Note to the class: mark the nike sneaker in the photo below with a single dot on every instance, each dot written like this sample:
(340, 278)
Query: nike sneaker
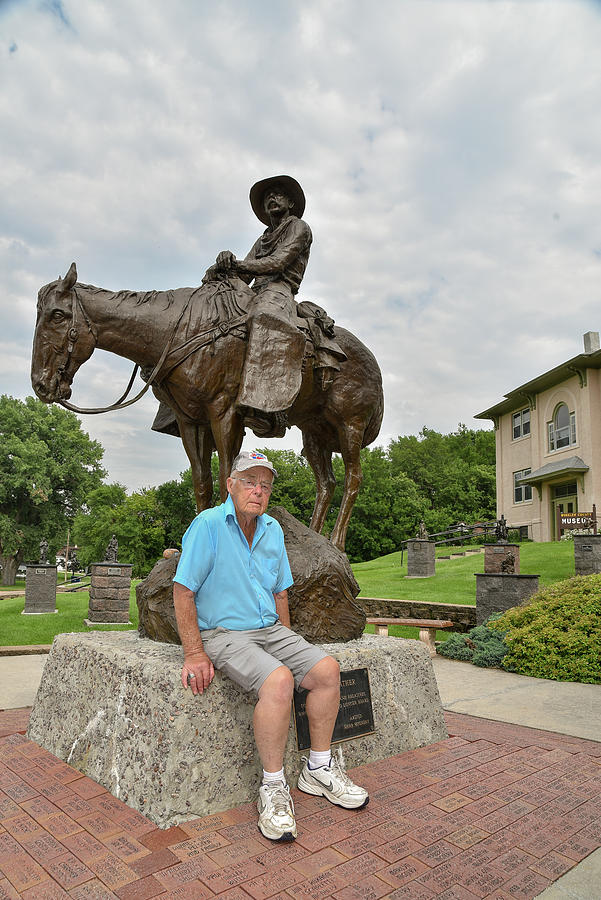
(333, 783)
(276, 812)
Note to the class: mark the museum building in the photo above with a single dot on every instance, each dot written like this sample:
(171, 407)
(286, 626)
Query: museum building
(548, 444)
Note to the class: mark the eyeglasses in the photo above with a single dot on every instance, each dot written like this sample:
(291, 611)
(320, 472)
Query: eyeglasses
(250, 485)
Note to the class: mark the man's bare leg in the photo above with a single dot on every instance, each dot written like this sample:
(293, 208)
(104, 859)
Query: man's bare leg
(322, 775)
(271, 723)
(322, 682)
(271, 719)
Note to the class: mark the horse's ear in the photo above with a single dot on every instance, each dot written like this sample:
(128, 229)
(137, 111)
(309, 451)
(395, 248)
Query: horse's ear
(70, 277)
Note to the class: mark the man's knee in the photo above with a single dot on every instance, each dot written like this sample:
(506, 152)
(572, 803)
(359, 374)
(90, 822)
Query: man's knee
(278, 687)
(324, 674)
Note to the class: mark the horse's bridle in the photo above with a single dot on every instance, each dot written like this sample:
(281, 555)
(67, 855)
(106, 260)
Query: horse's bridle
(73, 333)
(121, 403)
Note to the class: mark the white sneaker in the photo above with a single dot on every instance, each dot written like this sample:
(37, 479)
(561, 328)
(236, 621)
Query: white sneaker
(276, 812)
(332, 782)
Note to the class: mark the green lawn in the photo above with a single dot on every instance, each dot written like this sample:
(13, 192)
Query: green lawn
(41, 629)
(454, 581)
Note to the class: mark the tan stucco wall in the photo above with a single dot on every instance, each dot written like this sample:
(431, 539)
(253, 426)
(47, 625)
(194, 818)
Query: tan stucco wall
(532, 452)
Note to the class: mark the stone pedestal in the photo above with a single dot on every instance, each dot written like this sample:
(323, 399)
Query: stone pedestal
(500, 592)
(421, 559)
(495, 555)
(40, 589)
(112, 705)
(587, 554)
(109, 593)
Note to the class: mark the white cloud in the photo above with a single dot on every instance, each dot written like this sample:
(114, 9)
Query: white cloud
(450, 153)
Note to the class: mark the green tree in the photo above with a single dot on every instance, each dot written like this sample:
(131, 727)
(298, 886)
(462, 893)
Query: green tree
(454, 473)
(177, 505)
(136, 520)
(385, 510)
(48, 466)
(97, 522)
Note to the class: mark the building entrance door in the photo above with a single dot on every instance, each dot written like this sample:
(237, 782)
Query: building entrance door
(564, 499)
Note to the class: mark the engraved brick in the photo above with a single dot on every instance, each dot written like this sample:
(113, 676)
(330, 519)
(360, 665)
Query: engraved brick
(403, 871)
(67, 870)
(318, 862)
(112, 871)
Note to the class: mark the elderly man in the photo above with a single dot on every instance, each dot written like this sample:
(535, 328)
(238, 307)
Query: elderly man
(231, 604)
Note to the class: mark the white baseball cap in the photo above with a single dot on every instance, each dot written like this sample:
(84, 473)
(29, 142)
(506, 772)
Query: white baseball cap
(247, 459)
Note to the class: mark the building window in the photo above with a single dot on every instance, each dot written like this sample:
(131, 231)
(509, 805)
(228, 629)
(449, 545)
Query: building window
(521, 492)
(562, 428)
(520, 422)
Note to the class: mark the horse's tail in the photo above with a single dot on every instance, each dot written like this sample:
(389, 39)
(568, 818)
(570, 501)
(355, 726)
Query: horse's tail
(375, 422)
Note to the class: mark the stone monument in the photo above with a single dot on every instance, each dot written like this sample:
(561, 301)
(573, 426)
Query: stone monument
(110, 584)
(421, 555)
(501, 587)
(40, 585)
(587, 554)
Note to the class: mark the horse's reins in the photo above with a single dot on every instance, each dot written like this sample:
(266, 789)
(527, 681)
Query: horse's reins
(122, 403)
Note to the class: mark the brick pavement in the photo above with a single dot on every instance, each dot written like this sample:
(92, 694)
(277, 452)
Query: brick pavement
(495, 811)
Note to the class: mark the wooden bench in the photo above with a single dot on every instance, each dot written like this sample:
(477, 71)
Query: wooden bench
(427, 628)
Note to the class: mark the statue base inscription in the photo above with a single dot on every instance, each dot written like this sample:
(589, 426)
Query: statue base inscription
(111, 704)
(40, 589)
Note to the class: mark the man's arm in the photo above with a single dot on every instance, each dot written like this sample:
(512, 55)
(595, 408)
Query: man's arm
(281, 607)
(196, 661)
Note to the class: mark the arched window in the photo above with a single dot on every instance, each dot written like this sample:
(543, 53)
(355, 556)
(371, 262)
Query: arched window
(562, 428)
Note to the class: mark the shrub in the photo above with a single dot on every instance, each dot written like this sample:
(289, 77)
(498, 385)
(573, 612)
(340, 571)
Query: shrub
(481, 646)
(556, 634)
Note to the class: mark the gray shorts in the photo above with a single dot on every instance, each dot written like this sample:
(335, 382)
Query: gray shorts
(248, 657)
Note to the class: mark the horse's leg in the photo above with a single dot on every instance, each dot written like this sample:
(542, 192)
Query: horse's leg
(198, 444)
(319, 458)
(351, 438)
(228, 433)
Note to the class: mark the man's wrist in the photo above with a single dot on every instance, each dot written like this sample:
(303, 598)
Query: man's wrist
(192, 654)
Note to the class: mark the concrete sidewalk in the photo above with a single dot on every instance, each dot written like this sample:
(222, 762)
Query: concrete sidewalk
(562, 706)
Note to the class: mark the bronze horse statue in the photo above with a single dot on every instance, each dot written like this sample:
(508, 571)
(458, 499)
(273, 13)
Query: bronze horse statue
(195, 349)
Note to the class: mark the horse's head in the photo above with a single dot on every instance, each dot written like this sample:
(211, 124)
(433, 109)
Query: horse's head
(64, 338)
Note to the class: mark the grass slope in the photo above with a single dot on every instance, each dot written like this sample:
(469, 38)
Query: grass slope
(454, 581)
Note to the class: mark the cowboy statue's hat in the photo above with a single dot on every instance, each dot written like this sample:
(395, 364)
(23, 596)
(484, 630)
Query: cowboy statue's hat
(285, 183)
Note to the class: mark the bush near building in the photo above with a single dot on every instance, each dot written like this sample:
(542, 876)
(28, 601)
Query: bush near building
(557, 633)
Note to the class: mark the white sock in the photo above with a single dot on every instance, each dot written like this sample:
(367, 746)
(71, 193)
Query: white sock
(318, 758)
(269, 777)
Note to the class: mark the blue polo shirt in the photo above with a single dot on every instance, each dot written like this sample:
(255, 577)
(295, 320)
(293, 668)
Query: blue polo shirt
(233, 583)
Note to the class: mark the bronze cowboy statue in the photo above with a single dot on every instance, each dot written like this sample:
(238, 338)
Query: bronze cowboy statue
(235, 351)
(278, 327)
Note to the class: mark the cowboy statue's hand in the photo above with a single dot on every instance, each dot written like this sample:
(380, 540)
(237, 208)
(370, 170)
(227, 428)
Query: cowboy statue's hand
(210, 275)
(226, 261)
(197, 672)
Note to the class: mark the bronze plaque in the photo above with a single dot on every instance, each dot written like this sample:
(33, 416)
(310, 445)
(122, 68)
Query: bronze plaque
(355, 716)
(114, 572)
(40, 571)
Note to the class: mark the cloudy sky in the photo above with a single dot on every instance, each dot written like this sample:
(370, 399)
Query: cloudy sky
(450, 152)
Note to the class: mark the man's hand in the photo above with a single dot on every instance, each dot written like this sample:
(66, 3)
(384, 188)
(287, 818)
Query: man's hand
(226, 261)
(197, 672)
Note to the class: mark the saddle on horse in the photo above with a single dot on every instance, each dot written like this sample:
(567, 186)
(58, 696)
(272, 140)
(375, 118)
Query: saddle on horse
(278, 351)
